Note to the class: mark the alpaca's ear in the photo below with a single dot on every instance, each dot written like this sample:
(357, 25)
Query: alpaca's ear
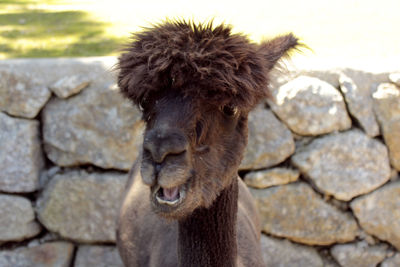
(277, 48)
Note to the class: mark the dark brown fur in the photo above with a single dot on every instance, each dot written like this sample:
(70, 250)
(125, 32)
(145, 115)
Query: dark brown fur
(196, 85)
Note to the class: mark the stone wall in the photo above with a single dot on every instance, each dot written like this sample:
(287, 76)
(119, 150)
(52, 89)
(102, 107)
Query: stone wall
(322, 163)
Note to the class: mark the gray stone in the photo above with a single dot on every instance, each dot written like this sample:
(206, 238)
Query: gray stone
(296, 212)
(52, 254)
(271, 177)
(359, 254)
(328, 75)
(365, 81)
(50, 70)
(392, 262)
(345, 165)
(22, 95)
(70, 85)
(360, 104)
(359, 97)
(99, 256)
(282, 253)
(17, 220)
(82, 206)
(387, 107)
(379, 213)
(280, 76)
(309, 106)
(21, 156)
(395, 78)
(270, 142)
(95, 127)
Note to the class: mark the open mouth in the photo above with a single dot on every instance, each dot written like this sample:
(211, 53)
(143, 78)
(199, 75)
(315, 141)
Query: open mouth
(170, 196)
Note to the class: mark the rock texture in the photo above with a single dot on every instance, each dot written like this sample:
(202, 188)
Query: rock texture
(20, 154)
(89, 133)
(359, 254)
(387, 108)
(82, 206)
(22, 95)
(360, 104)
(379, 213)
(395, 78)
(344, 165)
(392, 262)
(270, 142)
(309, 106)
(17, 220)
(99, 256)
(95, 127)
(296, 212)
(70, 85)
(282, 253)
(52, 254)
(271, 177)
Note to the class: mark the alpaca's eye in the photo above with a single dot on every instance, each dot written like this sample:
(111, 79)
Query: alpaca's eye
(229, 110)
(142, 104)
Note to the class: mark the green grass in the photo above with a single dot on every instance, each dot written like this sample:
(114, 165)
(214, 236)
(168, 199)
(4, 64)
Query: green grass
(27, 30)
(340, 30)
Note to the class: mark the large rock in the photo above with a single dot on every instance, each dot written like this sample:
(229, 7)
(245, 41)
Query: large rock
(52, 254)
(98, 256)
(360, 104)
(21, 156)
(296, 212)
(270, 142)
(387, 108)
(344, 165)
(95, 127)
(82, 206)
(357, 87)
(392, 262)
(283, 253)
(271, 177)
(22, 95)
(309, 106)
(359, 254)
(378, 213)
(17, 220)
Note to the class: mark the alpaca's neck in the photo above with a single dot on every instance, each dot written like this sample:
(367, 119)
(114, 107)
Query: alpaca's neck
(208, 236)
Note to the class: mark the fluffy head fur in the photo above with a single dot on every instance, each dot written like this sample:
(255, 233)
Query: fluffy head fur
(196, 85)
(226, 68)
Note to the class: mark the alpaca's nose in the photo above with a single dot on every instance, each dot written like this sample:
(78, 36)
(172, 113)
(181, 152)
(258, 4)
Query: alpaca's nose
(160, 144)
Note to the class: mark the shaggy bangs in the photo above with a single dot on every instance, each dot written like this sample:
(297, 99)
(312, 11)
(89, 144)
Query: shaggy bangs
(199, 60)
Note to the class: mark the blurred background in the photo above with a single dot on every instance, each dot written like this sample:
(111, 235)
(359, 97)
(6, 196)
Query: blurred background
(322, 161)
(353, 32)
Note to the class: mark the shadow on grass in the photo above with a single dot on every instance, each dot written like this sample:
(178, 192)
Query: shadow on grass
(16, 2)
(46, 33)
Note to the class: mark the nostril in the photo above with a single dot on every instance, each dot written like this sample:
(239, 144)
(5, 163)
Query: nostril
(157, 147)
(146, 153)
(199, 129)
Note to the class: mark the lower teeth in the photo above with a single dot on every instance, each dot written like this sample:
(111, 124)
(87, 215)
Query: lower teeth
(168, 202)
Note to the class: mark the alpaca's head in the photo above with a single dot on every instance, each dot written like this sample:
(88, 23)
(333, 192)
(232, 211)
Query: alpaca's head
(195, 85)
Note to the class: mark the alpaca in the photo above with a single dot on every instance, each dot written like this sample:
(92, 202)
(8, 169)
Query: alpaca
(185, 204)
